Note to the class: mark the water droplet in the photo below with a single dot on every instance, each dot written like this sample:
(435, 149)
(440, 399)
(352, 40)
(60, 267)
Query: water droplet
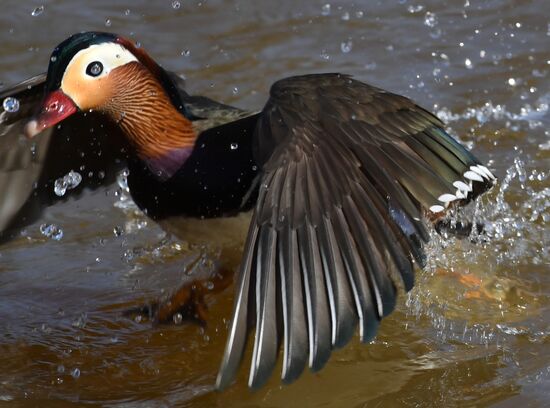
(430, 19)
(176, 5)
(512, 82)
(325, 55)
(235, 91)
(346, 46)
(118, 231)
(11, 104)
(468, 63)
(177, 318)
(53, 58)
(359, 14)
(325, 10)
(436, 33)
(37, 11)
(122, 180)
(415, 8)
(127, 12)
(186, 53)
(75, 373)
(108, 23)
(345, 16)
(51, 231)
(69, 181)
(234, 146)
(371, 66)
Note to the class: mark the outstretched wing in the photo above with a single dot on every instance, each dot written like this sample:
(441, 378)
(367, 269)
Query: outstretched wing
(349, 170)
(29, 168)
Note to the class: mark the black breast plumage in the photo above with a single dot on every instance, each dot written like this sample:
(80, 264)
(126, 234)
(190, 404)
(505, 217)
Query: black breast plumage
(218, 179)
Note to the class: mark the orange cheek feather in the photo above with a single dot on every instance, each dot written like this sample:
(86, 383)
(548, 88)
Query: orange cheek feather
(90, 93)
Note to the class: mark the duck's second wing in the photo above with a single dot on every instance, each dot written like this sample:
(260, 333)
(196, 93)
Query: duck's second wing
(349, 170)
(21, 160)
(29, 168)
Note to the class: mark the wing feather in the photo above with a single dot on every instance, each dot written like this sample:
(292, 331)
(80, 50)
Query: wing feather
(264, 356)
(294, 320)
(348, 172)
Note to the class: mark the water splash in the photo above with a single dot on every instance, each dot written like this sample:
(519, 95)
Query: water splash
(135, 219)
(490, 111)
(471, 289)
(430, 19)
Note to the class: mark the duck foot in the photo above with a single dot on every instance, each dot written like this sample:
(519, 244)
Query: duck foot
(186, 304)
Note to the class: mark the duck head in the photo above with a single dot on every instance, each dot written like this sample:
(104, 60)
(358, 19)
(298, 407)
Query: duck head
(103, 72)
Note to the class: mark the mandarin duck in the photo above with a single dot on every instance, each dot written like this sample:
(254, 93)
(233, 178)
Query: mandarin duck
(329, 189)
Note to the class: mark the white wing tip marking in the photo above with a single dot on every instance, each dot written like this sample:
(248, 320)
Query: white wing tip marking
(446, 198)
(487, 172)
(462, 186)
(437, 208)
(478, 173)
(461, 194)
(472, 175)
(483, 171)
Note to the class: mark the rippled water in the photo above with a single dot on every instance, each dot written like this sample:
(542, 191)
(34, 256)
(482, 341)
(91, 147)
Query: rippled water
(475, 331)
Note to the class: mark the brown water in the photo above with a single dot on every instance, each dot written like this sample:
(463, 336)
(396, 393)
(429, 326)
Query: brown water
(475, 331)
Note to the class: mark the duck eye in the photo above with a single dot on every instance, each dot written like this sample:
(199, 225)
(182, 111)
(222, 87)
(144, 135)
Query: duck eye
(94, 68)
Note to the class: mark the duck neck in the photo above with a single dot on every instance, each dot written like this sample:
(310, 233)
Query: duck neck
(160, 134)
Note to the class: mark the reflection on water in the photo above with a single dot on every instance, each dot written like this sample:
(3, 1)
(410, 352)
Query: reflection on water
(474, 331)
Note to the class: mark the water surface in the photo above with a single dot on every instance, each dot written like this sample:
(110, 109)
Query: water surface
(475, 331)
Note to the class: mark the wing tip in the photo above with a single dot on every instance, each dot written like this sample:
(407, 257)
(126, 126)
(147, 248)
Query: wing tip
(226, 375)
(293, 369)
(477, 180)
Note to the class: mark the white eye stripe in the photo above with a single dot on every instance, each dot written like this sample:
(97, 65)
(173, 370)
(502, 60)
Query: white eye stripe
(110, 55)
